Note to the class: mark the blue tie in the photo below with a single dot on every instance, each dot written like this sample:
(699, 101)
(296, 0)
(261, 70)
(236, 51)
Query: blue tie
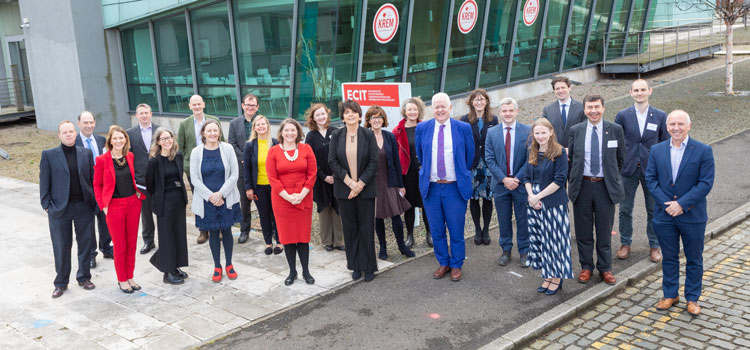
(564, 115)
(93, 149)
(594, 152)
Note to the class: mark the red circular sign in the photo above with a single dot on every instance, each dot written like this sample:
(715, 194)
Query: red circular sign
(467, 16)
(530, 12)
(385, 23)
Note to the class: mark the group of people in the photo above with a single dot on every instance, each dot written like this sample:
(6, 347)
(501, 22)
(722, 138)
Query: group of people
(360, 174)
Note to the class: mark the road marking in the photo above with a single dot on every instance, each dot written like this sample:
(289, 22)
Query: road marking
(517, 274)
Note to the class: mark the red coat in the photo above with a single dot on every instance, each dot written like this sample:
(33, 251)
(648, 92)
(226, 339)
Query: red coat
(403, 145)
(104, 178)
(293, 222)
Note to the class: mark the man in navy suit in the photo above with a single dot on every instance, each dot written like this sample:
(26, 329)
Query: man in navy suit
(141, 137)
(644, 126)
(565, 112)
(445, 148)
(506, 154)
(95, 143)
(680, 175)
(66, 190)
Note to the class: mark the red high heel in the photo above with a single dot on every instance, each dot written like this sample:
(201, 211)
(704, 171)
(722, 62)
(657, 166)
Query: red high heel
(217, 275)
(231, 273)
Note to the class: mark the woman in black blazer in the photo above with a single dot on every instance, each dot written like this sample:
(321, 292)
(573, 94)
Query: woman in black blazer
(390, 184)
(257, 187)
(481, 120)
(353, 157)
(165, 184)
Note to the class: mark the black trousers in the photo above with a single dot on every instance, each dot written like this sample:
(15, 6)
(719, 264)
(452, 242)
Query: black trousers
(265, 212)
(81, 215)
(105, 241)
(247, 215)
(593, 209)
(358, 221)
(147, 219)
(172, 231)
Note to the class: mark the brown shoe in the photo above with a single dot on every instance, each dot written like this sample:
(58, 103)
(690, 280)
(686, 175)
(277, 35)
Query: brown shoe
(608, 277)
(584, 276)
(440, 272)
(693, 308)
(456, 274)
(624, 252)
(666, 303)
(655, 255)
(203, 237)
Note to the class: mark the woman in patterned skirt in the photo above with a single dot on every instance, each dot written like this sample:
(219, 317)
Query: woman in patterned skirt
(549, 226)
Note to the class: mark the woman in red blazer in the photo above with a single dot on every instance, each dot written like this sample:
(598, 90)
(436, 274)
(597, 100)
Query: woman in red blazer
(120, 199)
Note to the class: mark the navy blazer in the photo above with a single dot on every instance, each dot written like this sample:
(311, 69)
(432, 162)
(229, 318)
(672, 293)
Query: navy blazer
(100, 144)
(695, 178)
(496, 157)
(479, 137)
(54, 179)
(546, 172)
(250, 162)
(637, 146)
(463, 154)
(574, 113)
(140, 152)
(393, 162)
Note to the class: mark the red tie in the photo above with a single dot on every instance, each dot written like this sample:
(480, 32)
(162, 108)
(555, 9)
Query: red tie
(507, 151)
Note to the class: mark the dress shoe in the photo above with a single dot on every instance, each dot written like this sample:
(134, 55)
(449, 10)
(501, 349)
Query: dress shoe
(523, 261)
(655, 255)
(504, 258)
(217, 274)
(486, 241)
(478, 236)
(486, 235)
(181, 273)
(86, 284)
(58, 292)
(584, 276)
(608, 277)
(404, 249)
(409, 239)
(341, 248)
(666, 303)
(147, 247)
(173, 278)
(329, 248)
(456, 274)
(550, 291)
(134, 285)
(107, 255)
(290, 279)
(428, 239)
(477, 242)
(92, 264)
(693, 308)
(441, 272)
(356, 275)
(231, 273)
(369, 276)
(243, 237)
(202, 237)
(383, 253)
(542, 288)
(128, 290)
(308, 278)
(268, 251)
(277, 250)
(624, 252)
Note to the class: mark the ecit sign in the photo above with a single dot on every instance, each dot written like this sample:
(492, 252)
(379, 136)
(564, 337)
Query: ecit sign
(385, 23)
(467, 16)
(385, 95)
(530, 12)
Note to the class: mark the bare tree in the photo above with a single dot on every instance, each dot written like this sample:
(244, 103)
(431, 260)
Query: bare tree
(729, 12)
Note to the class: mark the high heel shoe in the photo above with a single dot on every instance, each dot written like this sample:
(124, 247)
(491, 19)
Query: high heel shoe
(543, 289)
(126, 291)
(553, 292)
(231, 274)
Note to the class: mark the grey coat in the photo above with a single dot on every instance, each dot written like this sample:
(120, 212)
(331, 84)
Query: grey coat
(613, 158)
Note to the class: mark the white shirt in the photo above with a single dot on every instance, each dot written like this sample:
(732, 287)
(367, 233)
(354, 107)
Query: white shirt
(198, 125)
(587, 151)
(676, 155)
(450, 170)
(94, 147)
(147, 134)
(641, 119)
(567, 106)
(512, 142)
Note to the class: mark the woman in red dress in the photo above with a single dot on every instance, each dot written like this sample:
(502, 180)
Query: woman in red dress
(291, 170)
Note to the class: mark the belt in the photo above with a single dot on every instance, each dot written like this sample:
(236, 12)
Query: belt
(444, 182)
(593, 179)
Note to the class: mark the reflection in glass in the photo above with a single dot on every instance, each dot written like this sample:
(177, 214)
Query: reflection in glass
(527, 41)
(428, 32)
(220, 100)
(213, 59)
(274, 102)
(381, 61)
(577, 34)
(175, 99)
(554, 34)
(616, 38)
(497, 43)
(635, 27)
(173, 57)
(138, 94)
(139, 67)
(463, 52)
(598, 31)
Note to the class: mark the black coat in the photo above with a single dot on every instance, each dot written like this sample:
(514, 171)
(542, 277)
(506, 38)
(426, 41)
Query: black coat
(367, 162)
(250, 163)
(479, 137)
(54, 179)
(155, 182)
(140, 153)
(393, 162)
(322, 192)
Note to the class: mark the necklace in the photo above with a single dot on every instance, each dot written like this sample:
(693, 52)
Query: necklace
(120, 162)
(292, 157)
(351, 138)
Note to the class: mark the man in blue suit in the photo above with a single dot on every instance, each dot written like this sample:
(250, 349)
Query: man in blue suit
(66, 190)
(445, 148)
(680, 174)
(506, 153)
(644, 126)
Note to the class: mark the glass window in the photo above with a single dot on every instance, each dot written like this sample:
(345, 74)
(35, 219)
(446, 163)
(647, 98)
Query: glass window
(327, 39)
(616, 39)
(554, 35)
(428, 31)
(635, 30)
(598, 31)
(579, 24)
(214, 67)
(383, 61)
(463, 52)
(527, 41)
(139, 67)
(173, 57)
(497, 42)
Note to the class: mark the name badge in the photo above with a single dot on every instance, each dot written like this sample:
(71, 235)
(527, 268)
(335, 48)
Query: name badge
(651, 126)
(612, 144)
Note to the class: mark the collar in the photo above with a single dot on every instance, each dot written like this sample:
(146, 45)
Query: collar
(203, 118)
(447, 122)
(512, 126)
(566, 102)
(600, 125)
(84, 138)
(146, 128)
(639, 112)
(682, 145)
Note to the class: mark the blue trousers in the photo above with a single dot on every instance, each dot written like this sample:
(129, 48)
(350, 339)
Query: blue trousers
(445, 207)
(669, 235)
(505, 204)
(630, 185)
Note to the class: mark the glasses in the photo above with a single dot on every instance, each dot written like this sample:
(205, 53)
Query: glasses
(479, 99)
(166, 138)
(248, 105)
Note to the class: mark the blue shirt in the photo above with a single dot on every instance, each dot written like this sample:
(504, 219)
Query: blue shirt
(676, 154)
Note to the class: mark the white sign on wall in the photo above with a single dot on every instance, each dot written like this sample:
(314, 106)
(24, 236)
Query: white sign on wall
(530, 12)
(467, 16)
(385, 23)
(388, 96)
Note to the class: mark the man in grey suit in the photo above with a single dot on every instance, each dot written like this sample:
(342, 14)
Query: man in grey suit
(565, 112)
(66, 190)
(239, 132)
(597, 153)
(141, 137)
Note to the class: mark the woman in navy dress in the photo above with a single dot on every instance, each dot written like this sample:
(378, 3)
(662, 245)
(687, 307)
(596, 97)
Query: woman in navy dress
(549, 226)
